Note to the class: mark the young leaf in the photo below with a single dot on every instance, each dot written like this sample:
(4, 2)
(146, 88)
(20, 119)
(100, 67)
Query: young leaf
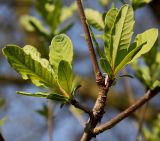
(61, 48)
(150, 37)
(58, 97)
(106, 67)
(67, 12)
(129, 56)
(122, 32)
(95, 19)
(30, 65)
(37, 94)
(109, 24)
(100, 53)
(139, 3)
(30, 22)
(65, 76)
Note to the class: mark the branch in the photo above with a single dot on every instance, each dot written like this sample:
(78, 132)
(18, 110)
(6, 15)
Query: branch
(89, 40)
(108, 125)
(98, 109)
(76, 104)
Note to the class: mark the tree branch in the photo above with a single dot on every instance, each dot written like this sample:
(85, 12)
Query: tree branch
(89, 40)
(98, 109)
(149, 94)
(76, 104)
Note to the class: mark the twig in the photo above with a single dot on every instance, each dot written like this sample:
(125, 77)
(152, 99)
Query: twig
(149, 94)
(76, 104)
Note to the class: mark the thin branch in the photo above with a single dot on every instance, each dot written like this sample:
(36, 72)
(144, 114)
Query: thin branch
(149, 94)
(76, 104)
(88, 39)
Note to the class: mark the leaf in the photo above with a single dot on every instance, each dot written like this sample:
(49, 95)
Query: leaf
(109, 25)
(94, 18)
(139, 3)
(96, 43)
(28, 62)
(37, 94)
(61, 48)
(31, 24)
(155, 85)
(150, 37)
(65, 76)
(127, 75)
(68, 12)
(122, 32)
(106, 67)
(128, 58)
(57, 97)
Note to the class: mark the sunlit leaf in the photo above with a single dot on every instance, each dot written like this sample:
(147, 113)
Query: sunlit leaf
(122, 32)
(37, 94)
(28, 21)
(61, 48)
(150, 37)
(65, 76)
(109, 25)
(68, 12)
(139, 3)
(28, 62)
(128, 58)
(94, 18)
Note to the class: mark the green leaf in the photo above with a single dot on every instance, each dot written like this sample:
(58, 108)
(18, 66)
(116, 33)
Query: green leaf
(28, 62)
(155, 85)
(128, 58)
(122, 32)
(57, 97)
(94, 18)
(150, 37)
(100, 53)
(37, 94)
(139, 3)
(30, 23)
(68, 12)
(61, 48)
(109, 25)
(106, 67)
(65, 76)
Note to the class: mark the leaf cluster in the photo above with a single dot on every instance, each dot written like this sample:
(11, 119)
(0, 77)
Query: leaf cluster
(55, 73)
(117, 29)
